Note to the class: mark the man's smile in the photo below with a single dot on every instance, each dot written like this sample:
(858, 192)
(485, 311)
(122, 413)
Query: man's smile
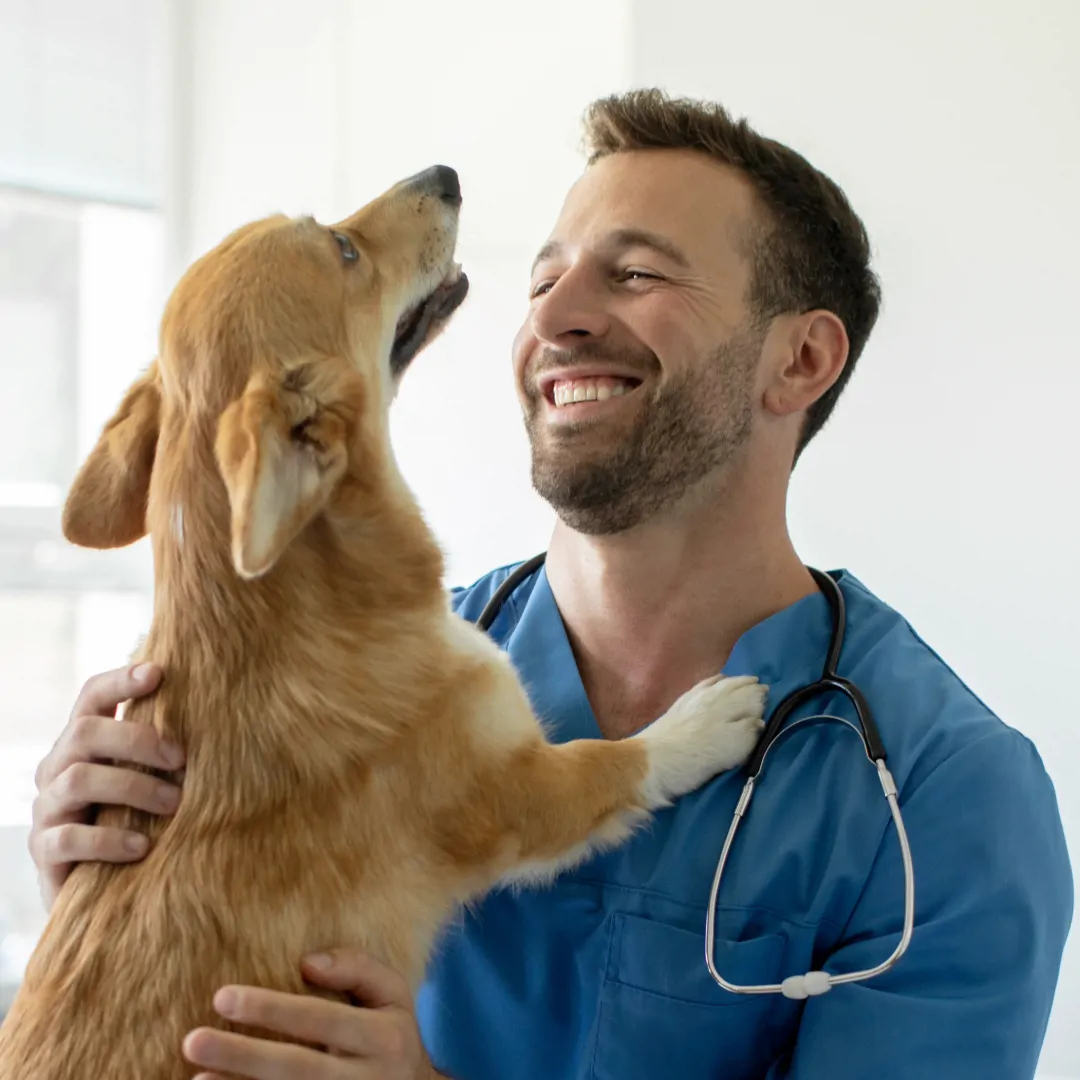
(583, 393)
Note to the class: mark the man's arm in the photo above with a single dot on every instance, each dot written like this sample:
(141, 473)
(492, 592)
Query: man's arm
(970, 998)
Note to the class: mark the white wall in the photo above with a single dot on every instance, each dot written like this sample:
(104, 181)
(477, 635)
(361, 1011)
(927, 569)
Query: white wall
(947, 481)
(944, 482)
(319, 105)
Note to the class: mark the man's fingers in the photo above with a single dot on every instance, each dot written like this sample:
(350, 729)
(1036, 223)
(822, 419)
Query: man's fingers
(102, 693)
(73, 843)
(85, 783)
(98, 699)
(359, 974)
(258, 1059)
(97, 738)
(326, 1023)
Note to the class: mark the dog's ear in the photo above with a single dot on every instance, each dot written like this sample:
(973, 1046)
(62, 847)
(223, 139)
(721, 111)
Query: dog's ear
(281, 453)
(106, 506)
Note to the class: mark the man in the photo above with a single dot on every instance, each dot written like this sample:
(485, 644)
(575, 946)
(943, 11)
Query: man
(702, 300)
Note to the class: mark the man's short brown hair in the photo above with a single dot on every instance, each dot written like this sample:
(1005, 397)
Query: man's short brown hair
(810, 250)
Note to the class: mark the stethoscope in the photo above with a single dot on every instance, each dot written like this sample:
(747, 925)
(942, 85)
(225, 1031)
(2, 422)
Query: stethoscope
(813, 983)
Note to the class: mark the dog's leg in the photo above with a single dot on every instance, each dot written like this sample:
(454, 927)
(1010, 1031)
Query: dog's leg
(557, 803)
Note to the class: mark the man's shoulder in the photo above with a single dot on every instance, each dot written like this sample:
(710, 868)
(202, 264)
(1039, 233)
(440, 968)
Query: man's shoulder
(965, 772)
(883, 642)
(924, 706)
(469, 601)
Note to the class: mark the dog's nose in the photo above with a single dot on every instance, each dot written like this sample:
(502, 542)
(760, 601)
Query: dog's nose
(440, 180)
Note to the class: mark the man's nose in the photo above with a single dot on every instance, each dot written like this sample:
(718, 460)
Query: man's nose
(573, 308)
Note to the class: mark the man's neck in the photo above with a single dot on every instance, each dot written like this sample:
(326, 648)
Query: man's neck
(652, 611)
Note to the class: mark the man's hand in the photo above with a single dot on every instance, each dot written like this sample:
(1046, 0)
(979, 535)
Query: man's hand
(72, 778)
(376, 1039)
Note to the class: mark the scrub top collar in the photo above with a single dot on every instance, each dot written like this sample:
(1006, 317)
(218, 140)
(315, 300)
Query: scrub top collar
(785, 649)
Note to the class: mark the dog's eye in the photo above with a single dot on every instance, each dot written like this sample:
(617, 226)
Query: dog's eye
(348, 251)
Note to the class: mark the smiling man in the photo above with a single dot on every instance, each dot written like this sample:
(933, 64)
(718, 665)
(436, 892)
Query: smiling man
(697, 310)
(574, 390)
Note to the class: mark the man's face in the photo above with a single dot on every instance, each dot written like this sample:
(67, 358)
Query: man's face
(636, 366)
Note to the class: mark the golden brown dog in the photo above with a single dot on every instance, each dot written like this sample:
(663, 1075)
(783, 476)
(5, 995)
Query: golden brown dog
(359, 760)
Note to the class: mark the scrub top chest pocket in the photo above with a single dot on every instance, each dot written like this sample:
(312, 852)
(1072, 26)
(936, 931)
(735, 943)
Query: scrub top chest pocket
(661, 1014)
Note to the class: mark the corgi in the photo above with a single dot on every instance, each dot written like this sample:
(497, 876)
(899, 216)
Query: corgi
(360, 761)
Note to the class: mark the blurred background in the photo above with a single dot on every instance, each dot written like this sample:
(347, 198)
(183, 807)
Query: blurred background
(135, 133)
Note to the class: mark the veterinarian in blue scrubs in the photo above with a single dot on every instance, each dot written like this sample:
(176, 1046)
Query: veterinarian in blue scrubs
(603, 974)
(670, 550)
(701, 302)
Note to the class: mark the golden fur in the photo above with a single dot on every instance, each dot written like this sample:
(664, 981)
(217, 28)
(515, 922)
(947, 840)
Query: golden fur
(359, 760)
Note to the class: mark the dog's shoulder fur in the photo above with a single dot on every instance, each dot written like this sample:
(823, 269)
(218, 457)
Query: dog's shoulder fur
(359, 760)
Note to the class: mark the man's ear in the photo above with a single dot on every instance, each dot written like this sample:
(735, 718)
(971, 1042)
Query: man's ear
(281, 454)
(106, 506)
(816, 354)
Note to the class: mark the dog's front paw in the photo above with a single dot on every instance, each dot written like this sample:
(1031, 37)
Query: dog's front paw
(714, 726)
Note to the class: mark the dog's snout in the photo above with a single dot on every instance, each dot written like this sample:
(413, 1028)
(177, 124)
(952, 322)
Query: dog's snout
(440, 180)
(446, 182)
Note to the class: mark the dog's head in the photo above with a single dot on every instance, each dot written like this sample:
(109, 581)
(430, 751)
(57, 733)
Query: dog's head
(285, 344)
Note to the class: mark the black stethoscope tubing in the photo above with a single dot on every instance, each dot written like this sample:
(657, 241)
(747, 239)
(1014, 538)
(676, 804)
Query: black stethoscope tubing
(829, 682)
(811, 983)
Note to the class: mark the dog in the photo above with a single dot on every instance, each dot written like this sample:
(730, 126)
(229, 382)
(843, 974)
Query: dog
(361, 762)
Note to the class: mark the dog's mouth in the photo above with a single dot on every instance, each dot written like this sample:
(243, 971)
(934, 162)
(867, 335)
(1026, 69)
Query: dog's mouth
(414, 328)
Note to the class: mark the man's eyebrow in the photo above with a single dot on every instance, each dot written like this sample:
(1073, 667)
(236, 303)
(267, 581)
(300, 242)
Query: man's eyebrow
(627, 238)
(550, 249)
(624, 238)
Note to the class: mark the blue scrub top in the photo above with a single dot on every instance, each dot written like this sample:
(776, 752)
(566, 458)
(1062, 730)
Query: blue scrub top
(602, 975)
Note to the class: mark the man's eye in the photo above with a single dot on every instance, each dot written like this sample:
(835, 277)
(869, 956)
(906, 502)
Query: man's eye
(348, 251)
(540, 288)
(638, 275)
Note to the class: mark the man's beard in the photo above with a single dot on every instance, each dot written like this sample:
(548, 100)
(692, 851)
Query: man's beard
(694, 425)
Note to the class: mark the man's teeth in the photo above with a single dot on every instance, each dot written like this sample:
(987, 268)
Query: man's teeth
(600, 389)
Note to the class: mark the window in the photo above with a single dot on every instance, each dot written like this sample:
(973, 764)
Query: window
(81, 280)
(74, 330)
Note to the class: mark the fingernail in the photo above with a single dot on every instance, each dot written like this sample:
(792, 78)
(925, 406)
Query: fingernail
(319, 961)
(135, 843)
(225, 1002)
(141, 673)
